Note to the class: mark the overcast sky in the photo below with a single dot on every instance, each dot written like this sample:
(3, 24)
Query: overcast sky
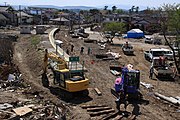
(95, 3)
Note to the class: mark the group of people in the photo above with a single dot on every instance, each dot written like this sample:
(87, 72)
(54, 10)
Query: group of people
(89, 51)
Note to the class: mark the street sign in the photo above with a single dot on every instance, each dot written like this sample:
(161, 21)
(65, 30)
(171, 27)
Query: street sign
(73, 59)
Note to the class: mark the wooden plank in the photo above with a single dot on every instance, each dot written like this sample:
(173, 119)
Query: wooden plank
(101, 112)
(92, 106)
(132, 117)
(22, 110)
(174, 101)
(110, 116)
(119, 117)
(98, 108)
(113, 92)
(98, 91)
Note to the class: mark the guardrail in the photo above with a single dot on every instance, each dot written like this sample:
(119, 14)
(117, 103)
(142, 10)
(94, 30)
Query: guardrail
(59, 50)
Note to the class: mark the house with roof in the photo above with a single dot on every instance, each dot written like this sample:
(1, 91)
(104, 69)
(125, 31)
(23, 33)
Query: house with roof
(10, 14)
(41, 13)
(60, 21)
(116, 18)
(24, 18)
(3, 20)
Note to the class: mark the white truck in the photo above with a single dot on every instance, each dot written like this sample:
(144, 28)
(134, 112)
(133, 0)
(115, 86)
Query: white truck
(176, 47)
(157, 52)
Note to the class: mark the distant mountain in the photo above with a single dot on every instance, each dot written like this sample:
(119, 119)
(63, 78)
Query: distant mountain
(58, 7)
(124, 7)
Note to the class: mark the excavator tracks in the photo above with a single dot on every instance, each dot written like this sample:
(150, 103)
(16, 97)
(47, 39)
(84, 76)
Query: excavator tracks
(104, 112)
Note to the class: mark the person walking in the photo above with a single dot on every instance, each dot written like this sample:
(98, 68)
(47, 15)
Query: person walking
(72, 48)
(82, 50)
(67, 51)
(151, 72)
(89, 50)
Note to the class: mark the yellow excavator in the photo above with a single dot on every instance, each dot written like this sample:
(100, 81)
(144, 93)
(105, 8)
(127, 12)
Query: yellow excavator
(67, 78)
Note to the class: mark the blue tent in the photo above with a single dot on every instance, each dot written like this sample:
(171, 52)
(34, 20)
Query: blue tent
(135, 33)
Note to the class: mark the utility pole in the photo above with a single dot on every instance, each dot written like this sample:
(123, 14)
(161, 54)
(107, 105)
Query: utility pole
(79, 19)
(20, 14)
(60, 20)
(41, 18)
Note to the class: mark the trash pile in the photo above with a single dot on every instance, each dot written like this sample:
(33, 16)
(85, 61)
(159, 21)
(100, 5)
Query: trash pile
(22, 102)
(31, 111)
(9, 77)
(115, 55)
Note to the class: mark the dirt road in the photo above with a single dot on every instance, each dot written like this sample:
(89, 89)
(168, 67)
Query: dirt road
(98, 73)
(29, 59)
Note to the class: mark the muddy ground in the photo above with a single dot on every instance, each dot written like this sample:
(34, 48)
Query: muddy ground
(29, 59)
(100, 77)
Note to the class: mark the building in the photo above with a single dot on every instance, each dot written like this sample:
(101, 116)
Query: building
(24, 18)
(3, 20)
(10, 14)
(60, 21)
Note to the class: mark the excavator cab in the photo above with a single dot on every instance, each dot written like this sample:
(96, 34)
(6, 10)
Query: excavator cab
(61, 76)
(66, 75)
(131, 80)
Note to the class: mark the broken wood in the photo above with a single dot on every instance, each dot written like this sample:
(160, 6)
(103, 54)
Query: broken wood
(98, 91)
(148, 86)
(98, 108)
(132, 117)
(113, 92)
(110, 116)
(114, 72)
(92, 106)
(118, 117)
(169, 99)
(101, 112)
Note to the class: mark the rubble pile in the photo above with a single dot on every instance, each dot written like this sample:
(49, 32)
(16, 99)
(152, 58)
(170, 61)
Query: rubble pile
(21, 101)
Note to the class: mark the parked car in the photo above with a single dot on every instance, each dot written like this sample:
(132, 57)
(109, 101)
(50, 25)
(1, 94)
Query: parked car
(157, 52)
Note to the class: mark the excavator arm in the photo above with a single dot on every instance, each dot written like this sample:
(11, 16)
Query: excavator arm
(61, 63)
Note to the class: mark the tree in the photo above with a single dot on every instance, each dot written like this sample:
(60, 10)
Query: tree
(114, 27)
(94, 11)
(105, 7)
(114, 8)
(132, 8)
(169, 18)
(137, 9)
(94, 14)
(119, 11)
(130, 11)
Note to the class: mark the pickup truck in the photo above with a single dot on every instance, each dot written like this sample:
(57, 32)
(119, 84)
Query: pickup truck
(157, 52)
